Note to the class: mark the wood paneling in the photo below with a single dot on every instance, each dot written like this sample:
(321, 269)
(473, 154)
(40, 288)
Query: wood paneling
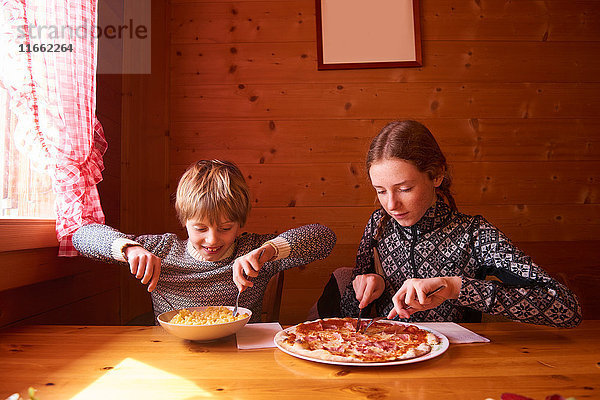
(27, 267)
(448, 61)
(84, 294)
(537, 20)
(311, 141)
(293, 20)
(385, 100)
(509, 89)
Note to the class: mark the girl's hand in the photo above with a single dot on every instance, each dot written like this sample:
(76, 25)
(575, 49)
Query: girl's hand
(368, 287)
(144, 265)
(413, 294)
(250, 264)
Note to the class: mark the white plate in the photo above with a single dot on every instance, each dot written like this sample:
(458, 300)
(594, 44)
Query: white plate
(435, 351)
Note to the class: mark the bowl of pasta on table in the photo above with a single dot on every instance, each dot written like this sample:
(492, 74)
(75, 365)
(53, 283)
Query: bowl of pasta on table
(204, 323)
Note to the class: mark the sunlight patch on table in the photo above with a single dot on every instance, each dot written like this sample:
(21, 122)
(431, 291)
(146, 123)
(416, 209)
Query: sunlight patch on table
(132, 379)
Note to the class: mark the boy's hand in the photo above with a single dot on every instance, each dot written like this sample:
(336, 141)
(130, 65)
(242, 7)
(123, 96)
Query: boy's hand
(368, 287)
(144, 265)
(412, 296)
(249, 265)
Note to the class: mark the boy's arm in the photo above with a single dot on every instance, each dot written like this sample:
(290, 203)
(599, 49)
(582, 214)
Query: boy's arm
(103, 242)
(143, 254)
(298, 246)
(302, 245)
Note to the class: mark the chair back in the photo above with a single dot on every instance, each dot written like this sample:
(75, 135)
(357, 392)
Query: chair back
(272, 299)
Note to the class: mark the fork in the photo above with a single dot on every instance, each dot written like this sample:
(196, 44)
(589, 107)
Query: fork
(371, 323)
(165, 299)
(237, 299)
(428, 294)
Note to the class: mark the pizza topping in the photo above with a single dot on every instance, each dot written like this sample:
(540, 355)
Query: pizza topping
(310, 327)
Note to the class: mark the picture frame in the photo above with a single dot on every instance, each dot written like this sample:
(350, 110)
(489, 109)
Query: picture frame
(368, 34)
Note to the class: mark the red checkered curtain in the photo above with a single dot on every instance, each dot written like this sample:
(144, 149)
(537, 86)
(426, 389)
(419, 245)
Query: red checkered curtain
(53, 94)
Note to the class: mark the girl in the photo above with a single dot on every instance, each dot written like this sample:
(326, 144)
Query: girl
(418, 242)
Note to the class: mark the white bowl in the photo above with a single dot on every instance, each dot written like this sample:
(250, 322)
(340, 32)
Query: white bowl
(203, 332)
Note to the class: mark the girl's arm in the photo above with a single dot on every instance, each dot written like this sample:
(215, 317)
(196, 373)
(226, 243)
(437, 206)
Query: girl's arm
(365, 266)
(525, 291)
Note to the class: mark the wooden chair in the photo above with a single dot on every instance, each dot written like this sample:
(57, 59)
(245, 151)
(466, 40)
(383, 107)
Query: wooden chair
(272, 299)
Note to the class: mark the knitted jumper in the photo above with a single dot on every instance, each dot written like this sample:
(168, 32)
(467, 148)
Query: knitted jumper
(187, 281)
(449, 243)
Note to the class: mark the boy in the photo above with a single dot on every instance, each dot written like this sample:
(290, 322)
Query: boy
(213, 203)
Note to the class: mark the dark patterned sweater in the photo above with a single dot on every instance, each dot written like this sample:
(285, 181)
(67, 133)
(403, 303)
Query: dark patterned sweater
(187, 281)
(448, 243)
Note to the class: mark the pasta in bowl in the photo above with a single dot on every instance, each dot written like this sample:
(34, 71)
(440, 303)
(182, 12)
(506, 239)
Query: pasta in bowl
(204, 323)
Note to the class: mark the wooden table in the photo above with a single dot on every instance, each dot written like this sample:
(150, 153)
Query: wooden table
(128, 362)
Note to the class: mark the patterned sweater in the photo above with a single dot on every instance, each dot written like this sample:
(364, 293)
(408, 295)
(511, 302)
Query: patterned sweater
(187, 281)
(448, 243)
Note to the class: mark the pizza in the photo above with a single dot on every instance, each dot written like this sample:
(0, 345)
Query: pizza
(336, 339)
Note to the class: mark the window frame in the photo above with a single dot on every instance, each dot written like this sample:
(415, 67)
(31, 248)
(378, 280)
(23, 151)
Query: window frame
(27, 233)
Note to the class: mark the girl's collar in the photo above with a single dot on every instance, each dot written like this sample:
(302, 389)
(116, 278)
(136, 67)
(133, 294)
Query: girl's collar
(198, 256)
(437, 215)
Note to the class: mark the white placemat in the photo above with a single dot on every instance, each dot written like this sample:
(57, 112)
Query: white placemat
(257, 336)
(455, 333)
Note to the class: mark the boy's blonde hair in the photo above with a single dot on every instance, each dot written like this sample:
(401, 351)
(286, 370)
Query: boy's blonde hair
(215, 190)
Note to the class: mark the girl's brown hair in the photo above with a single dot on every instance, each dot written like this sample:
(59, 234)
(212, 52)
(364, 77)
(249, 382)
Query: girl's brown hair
(413, 142)
(212, 189)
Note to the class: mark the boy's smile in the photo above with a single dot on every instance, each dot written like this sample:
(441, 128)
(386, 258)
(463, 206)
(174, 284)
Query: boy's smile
(212, 241)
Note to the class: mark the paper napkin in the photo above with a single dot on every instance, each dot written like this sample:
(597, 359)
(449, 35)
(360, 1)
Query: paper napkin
(257, 336)
(455, 333)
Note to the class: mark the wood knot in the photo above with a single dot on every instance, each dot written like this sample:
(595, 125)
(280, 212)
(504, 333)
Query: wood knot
(343, 372)
(197, 349)
(369, 392)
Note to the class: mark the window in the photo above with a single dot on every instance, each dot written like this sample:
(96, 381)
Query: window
(26, 192)
(27, 200)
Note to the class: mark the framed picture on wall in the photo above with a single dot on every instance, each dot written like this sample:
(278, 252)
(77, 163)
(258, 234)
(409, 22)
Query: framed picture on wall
(368, 34)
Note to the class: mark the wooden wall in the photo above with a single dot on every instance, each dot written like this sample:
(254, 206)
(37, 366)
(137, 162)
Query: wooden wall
(508, 88)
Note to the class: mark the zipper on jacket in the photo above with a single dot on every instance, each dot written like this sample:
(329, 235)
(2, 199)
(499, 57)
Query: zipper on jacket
(413, 244)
